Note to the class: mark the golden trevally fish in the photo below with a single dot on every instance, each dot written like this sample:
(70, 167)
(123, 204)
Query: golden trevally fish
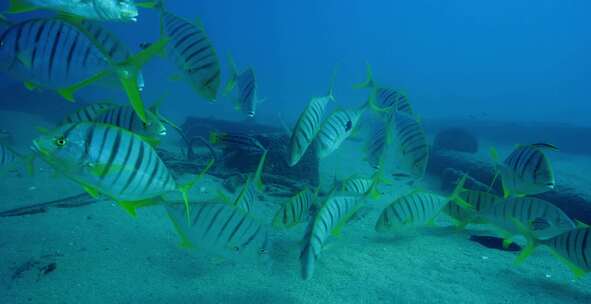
(527, 170)
(307, 126)
(104, 10)
(112, 161)
(60, 54)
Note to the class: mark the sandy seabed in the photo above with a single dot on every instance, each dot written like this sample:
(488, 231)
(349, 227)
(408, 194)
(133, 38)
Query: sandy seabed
(103, 255)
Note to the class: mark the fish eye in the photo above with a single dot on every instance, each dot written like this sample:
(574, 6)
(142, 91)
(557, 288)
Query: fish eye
(236, 248)
(60, 141)
(263, 251)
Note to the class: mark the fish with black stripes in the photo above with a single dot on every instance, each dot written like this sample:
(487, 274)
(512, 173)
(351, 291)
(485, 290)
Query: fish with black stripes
(336, 128)
(246, 85)
(103, 10)
(541, 217)
(125, 117)
(378, 144)
(417, 208)
(248, 195)
(87, 113)
(58, 54)
(222, 230)
(335, 212)
(527, 170)
(410, 145)
(111, 161)
(572, 247)
(10, 159)
(385, 100)
(479, 200)
(192, 52)
(308, 126)
(295, 211)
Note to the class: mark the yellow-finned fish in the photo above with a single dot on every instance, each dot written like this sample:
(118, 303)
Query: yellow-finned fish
(126, 118)
(385, 100)
(192, 52)
(111, 161)
(246, 84)
(329, 220)
(573, 248)
(87, 113)
(417, 208)
(295, 211)
(59, 54)
(412, 150)
(307, 126)
(222, 230)
(479, 200)
(527, 170)
(104, 10)
(543, 218)
(337, 127)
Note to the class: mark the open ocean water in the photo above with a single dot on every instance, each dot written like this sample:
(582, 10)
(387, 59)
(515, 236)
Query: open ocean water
(295, 152)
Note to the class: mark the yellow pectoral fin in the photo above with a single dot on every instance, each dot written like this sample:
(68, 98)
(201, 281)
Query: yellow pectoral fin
(30, 86)
(147, 4)
(68, 92)
(132, 206)
(129, 84)
(152, 141)
(92, 191)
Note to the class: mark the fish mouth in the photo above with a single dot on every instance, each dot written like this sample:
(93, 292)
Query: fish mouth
(250, 114)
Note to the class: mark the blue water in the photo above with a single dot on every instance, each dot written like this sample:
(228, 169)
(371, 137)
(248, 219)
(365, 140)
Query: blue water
(511, 71)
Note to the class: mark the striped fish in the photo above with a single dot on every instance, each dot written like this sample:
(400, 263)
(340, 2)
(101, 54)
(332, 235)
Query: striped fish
(393, 100)
(361, 185)
(250, 191)
(378, 143)
(7, 156)
(222, 230)
(529, 212)
(335, 129)
(307, 127)
(410, 210)
(417, 208)
(385, 100)
(296, 210)
(126, 118)
(411, 145)
(193, 53)
(479, 200)
(57, 54)
(246, 101)
(573, 247)
(109, 43)
(87, 113)
(331, 217)
(108, 160)
(527, 171)
(105, 10)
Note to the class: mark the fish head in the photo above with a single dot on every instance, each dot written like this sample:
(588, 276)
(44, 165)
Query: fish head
(154, 125)
(125, 10)
(62, 147)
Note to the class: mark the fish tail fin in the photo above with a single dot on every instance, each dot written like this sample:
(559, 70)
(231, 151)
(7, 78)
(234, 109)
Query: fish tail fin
(369, 82)
(373, 192)
(258, 182)
(455, 195)
(532, 242)
(20, 6)
(185, 188)
(233, 75)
